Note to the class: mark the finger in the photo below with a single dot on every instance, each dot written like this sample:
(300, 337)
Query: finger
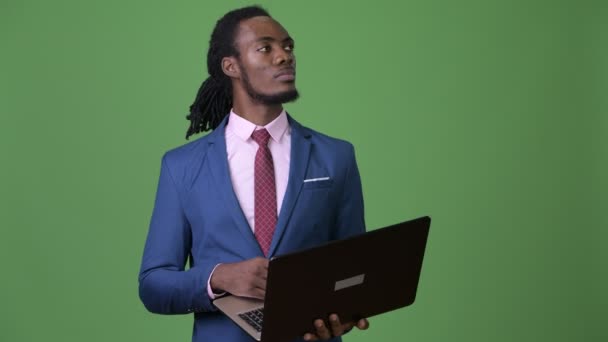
(363, 324)
(250, 293)
(255, 294)
(260, 293)
(261, 272)
(262, 262)
(260, 287)
(264, 275)
(336, 326)
(259, 282)
(310, 337)
(322, 331)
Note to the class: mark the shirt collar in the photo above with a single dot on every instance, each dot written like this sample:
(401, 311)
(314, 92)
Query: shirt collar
(243, 128)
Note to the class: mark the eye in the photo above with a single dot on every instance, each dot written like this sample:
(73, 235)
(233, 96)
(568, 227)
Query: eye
(264, 48)
(289, 47)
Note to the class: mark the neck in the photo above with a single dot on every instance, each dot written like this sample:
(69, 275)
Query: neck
(251, 110)
(259, 114)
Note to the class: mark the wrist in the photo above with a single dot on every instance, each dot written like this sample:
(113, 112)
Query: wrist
(216, 281)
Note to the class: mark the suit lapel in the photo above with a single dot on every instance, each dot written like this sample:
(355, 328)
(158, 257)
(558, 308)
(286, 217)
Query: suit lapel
(300, 152)
(218, 159)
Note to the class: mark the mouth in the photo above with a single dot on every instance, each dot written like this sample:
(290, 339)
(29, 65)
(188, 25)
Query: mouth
(286, 75)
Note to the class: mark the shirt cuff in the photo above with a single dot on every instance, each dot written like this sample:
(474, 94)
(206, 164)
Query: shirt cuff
(213, 295)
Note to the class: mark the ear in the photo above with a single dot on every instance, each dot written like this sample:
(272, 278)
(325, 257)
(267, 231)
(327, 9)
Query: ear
(230, 67)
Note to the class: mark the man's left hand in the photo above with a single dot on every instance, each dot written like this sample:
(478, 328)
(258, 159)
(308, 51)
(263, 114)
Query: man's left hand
(335, 329)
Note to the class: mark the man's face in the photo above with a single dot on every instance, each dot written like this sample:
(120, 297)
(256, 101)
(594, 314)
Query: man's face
(266, 61)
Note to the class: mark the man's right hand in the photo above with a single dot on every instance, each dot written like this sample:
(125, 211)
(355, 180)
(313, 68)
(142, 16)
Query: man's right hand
(245, 279)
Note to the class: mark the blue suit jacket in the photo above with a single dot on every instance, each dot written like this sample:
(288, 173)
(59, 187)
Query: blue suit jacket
(197, 217)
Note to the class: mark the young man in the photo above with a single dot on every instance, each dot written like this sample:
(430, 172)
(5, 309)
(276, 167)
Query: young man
(259, 185)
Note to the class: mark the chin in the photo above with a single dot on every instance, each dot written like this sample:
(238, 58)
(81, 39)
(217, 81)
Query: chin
(285, 96)
(288, 85)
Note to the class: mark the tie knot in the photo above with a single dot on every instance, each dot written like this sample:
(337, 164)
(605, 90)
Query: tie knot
(261, 136)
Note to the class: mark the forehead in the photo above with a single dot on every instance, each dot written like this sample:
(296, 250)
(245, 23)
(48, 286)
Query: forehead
(257, 28)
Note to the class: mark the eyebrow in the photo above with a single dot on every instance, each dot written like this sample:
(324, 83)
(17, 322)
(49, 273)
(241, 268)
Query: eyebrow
(268, 38)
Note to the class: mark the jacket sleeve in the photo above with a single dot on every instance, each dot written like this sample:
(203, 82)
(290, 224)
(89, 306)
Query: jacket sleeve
(350, 218)
(165, 286)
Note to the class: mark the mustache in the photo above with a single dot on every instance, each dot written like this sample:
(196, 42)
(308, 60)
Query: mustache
(286, 71)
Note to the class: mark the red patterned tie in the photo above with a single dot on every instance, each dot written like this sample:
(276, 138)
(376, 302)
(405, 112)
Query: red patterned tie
(265, 192)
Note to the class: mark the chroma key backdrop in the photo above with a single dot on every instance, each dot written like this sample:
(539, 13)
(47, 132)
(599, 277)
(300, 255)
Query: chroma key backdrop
(489, 116)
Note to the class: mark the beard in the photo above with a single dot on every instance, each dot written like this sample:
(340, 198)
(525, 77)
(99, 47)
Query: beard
(268, 99)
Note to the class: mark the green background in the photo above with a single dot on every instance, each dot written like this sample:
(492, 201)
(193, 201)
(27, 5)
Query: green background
(490, 116)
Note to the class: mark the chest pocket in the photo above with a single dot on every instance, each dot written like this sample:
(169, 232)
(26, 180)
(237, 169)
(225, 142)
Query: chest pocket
(318, 184)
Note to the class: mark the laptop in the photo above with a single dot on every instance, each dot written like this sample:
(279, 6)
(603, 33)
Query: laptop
(358, 277)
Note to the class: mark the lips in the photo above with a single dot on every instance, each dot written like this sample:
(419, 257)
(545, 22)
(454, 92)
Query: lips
(287, 74)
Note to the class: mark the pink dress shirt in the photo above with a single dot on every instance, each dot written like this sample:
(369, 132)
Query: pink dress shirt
(241, 150)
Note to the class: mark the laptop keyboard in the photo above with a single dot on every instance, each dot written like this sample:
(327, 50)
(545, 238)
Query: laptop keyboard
(254, 318)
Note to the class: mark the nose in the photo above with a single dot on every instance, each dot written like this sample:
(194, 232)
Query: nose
(284, 57)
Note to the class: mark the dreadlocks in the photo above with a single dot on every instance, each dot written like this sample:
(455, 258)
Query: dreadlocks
(214, 98)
